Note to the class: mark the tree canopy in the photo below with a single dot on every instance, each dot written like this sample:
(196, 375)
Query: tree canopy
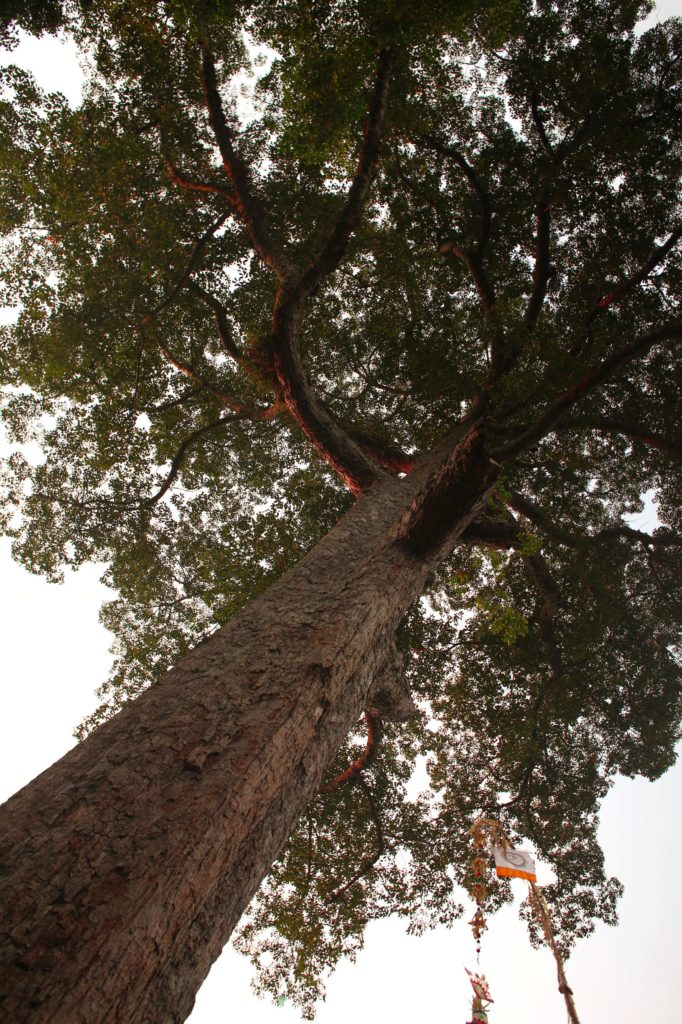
(283, 248)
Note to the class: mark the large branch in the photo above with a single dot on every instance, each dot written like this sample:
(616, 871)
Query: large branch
(633, 431)
(540, 124)
(587, 384)
(341, 451)
(357, 470)
(335, 445)
(245, 202)
(329, 256)
(352, 773)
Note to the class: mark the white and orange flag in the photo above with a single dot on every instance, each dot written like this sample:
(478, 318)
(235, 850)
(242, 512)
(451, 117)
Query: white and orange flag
(514, 863)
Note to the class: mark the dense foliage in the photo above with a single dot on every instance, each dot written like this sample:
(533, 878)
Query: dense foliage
(517, 253)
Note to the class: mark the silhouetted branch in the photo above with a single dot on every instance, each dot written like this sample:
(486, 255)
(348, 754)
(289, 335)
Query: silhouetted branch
(197, 251)
(634, 431)
(601, 373)
(638, 277)
(539, 123)
(368, 864)
(576, 539)
(476, 186)
(182, 451)
(333, 249)
(229, 344)
(229, 401)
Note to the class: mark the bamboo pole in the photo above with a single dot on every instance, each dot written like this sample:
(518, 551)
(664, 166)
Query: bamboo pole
(542, 910)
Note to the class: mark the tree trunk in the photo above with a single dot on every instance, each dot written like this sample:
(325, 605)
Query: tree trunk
(127, 864)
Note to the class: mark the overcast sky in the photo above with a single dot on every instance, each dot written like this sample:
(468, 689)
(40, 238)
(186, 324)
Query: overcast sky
(55, 653)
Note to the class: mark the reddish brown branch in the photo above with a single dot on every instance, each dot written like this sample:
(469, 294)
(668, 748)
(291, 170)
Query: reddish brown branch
(356, 469)
(331, 440)
(245, 202)
(197, 186)
(630, 283)
(352, 772)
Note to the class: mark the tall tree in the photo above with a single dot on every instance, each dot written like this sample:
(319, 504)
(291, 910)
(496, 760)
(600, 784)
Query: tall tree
(357, 384)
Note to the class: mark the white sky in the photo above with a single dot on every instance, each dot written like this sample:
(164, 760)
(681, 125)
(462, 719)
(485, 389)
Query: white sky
(55, 653)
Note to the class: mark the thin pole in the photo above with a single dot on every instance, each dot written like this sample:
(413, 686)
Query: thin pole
(543, 914)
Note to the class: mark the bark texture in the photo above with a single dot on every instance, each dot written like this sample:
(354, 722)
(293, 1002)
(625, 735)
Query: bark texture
(127, 864)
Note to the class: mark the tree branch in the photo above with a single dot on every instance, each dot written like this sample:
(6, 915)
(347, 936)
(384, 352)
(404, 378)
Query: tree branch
(352, 773)
(197, 186)
(332, 251)
(576, 539)
(476, 186)
(539, 123)
(548, 590)
(229, 401)
(226, 337)
(334, 444)
(542, 266)
(368, 864)
(388, 456)
(182, 451)
(197, 251)
(633, 431)
(626, 286)
(488, 531)
(245, 202)
(601, 373)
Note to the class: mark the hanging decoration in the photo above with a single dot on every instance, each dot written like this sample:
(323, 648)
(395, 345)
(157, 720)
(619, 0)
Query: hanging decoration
(481, 1000)
(479, 867)
(489, 838)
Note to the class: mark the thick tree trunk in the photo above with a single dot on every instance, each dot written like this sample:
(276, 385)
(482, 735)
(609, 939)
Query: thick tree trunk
(127, 864)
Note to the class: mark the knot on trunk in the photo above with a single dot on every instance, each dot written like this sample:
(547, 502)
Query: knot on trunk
(389, 696)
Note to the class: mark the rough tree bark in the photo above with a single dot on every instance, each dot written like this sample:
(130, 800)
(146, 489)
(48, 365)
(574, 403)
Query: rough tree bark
(128, 863)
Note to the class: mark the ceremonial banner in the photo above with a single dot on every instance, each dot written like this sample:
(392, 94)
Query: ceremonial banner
(514, 863)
